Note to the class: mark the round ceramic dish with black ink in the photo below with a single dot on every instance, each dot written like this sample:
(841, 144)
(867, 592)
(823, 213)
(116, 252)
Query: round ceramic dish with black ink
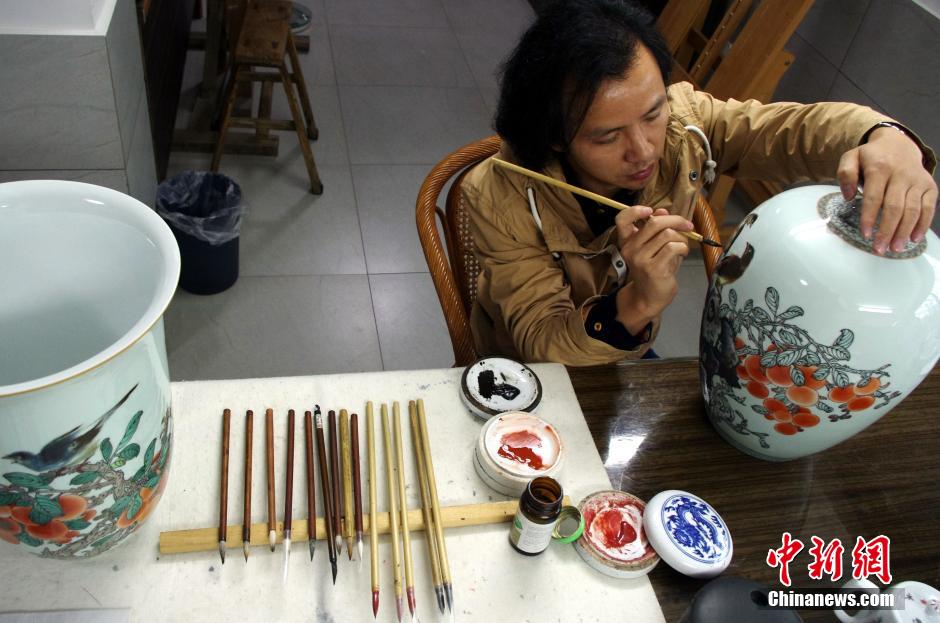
(495, 385)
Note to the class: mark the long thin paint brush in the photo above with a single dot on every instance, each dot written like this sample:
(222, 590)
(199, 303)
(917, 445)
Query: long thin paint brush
(357, 481)
(336, 482)
(311, 486)
(426, 508)
(326, 489)
(223, 490)
(347, 480)
(288, 492)
(392, 507)
(373, 511)
(246, 516)
(691, 235)
(269, 443)
(403, 499)
(436, 508)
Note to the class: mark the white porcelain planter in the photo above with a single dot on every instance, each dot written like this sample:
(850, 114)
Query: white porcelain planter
(85, 420)
(808, 337)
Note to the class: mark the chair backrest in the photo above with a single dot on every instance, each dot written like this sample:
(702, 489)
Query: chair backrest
(454, 268)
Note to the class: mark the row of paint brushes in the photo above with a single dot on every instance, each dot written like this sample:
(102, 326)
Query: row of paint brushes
(343, 502)
(339, 523)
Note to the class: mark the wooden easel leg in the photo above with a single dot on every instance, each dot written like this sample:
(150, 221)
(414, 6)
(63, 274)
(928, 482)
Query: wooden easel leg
(223, 127)
(264, 108)
(312, 130)
(316, 186)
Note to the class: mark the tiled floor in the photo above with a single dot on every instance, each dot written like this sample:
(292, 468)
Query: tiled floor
(337, 282)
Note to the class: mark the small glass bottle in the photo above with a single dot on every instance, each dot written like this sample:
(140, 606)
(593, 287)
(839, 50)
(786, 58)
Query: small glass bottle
(539, 508)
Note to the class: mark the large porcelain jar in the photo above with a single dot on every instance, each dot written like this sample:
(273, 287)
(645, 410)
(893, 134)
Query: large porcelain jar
(85, 425)
(808, 337)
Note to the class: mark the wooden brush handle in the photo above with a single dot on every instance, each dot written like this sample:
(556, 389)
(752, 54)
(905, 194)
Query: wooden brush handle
(249, 439)
(311, 476)
(432, 490)
(325, 490)
(402, 496)
(223, 497)
(425, 497)
(269, 444)
(575, 190)
(373, 511)
(357, 477)
(289, 486)
(336, 480)
(346, 458)
(392, 499)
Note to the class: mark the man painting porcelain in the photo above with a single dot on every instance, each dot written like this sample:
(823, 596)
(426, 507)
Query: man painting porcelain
(584, 100)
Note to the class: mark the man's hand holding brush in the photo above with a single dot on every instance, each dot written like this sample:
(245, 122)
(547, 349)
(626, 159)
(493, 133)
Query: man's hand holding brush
(653, 249)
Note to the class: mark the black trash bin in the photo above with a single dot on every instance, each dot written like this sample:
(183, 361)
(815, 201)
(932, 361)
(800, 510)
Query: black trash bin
(205, 211)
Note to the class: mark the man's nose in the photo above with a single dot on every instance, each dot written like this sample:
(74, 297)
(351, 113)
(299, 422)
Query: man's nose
(639, 148)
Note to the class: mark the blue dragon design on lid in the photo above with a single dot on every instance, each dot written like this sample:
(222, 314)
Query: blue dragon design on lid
(696, 529)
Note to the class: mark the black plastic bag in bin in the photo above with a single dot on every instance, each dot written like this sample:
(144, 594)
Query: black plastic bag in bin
(205, 212)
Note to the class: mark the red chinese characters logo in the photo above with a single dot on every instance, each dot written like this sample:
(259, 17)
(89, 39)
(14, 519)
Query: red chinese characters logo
(783, 556)
(869, 558)
(872, 558)
(827, 559)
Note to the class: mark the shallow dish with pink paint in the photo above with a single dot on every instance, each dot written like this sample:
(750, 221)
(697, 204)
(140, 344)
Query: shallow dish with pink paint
(516, 447)
(614, 541)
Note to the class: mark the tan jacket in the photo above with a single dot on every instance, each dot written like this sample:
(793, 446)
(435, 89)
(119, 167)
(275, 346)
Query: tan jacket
(534, 285)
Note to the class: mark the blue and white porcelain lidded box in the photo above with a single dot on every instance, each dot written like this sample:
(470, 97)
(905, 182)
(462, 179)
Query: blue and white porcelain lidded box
(688, 534)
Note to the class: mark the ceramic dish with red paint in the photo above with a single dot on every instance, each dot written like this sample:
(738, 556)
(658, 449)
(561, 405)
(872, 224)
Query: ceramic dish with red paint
(614, 541)
(516, 447)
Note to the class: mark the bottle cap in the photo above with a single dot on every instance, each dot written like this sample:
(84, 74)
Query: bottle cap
(570, 525)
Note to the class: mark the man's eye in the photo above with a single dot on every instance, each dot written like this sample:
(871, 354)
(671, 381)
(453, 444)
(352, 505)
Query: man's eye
(606, 140)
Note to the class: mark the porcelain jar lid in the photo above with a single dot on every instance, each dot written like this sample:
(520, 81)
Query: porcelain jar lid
(688, 533)
(494, 385)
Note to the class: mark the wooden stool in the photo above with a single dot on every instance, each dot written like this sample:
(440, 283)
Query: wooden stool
(263, 41)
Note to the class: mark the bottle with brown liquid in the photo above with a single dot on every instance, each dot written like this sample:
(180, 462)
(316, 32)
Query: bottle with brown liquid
(539, 508)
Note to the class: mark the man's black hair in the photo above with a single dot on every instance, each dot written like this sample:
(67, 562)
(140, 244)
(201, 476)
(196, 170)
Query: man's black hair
(551, 78)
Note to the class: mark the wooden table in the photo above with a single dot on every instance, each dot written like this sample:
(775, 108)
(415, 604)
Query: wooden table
(648, 421)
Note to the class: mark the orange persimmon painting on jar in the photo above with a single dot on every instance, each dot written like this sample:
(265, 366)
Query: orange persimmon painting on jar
(808, 337)
(102, 505)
